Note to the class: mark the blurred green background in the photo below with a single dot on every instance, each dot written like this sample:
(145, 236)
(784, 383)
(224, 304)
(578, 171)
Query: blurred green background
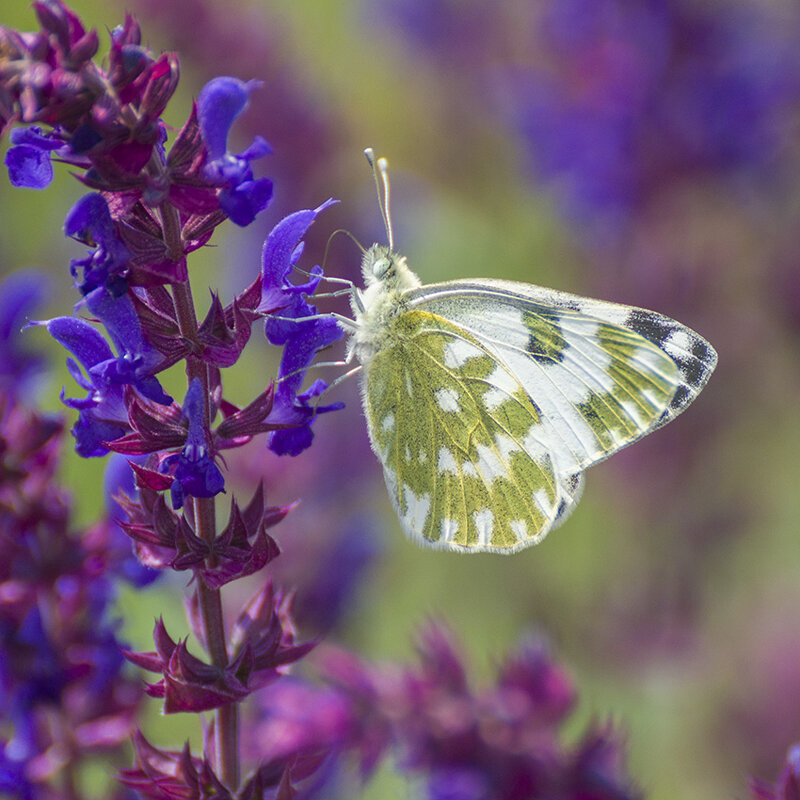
(672, 593)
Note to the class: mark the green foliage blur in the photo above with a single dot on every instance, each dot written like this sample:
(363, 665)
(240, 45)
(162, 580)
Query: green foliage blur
(673, 591)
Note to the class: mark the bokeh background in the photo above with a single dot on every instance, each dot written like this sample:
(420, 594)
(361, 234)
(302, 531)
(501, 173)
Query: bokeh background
(641, 151)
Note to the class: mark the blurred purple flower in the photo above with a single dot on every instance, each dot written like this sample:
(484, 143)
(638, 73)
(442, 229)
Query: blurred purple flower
(62, 686)
(788, 784)
(332, 576)
(13, 782)
(193, 469)
(301, 341)
(615, 101)
(119, 479)
(103, 413)
(458, 783)
(501, 743)
(20, 294)
(28, 160)
(220, 102)
(90, 222)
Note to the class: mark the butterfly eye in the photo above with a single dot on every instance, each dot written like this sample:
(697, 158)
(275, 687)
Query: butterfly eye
(381, 267)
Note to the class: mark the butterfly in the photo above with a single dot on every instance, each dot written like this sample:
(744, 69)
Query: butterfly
(487, 399)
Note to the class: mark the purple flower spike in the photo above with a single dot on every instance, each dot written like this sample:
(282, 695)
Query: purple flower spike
(195, 473)
(220, 102)
(90, 222)
(28, 161)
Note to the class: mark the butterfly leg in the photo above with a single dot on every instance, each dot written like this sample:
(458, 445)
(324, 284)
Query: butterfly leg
(337, 293)
(348, 359)
(328, 278)
(345, 322)
(340, 379)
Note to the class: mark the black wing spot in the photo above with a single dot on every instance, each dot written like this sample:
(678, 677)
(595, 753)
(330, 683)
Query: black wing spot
(650, 326)
(700, 350)
(681, 397)
(692, 369)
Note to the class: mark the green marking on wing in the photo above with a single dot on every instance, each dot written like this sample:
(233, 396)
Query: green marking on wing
(644, 380)
(453, 441)
(545, 339)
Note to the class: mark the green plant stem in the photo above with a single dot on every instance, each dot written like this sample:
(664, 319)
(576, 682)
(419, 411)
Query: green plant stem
(204, 513)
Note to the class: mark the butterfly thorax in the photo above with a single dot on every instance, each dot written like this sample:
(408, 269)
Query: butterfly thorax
(387, 278)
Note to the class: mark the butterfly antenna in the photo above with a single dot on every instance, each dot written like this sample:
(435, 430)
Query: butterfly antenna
(380, 171)
(330, 240)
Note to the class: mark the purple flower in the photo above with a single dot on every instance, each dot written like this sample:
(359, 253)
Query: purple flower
(20, 293)
(220, 102)
(458, 783)
(58, 651)
(90, 222)
(195, 472)
(788, 784)
(500, 743)
(119, 478)
(12, 776)
(300, 340)
(103, 413)
(28, 161)
(332, 578)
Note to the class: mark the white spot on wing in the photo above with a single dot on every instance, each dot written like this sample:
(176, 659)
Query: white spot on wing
(388, 423)
(484, 522)
(449, 529)
(680, 339)
(391, 482)
(409, 388)
(558, 387)
(489, 465)
(506, 446)
(543, 501)
(519, 527)
(503, 385)
(447, 462)
(447, 399)
(458, 352)
(417, 509)
(468, 470)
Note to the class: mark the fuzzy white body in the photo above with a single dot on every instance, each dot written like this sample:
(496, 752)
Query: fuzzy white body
(386, 278)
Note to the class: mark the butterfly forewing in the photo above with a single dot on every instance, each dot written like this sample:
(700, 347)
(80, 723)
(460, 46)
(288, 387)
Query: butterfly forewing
(602, 375)
(456, 432)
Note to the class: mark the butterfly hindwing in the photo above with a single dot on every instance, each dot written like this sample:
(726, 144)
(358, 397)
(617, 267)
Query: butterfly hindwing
(453, 430)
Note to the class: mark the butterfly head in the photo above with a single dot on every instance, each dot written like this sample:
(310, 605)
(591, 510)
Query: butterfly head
(381, 265)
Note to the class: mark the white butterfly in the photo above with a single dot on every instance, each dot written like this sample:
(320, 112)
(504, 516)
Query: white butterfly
(486, 399)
